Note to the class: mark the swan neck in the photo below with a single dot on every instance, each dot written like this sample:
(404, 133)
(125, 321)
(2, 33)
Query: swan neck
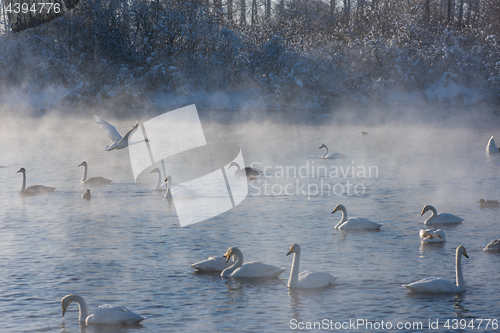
(326, 152)
(343, 219)
(238, 261)
(84, 178)
(84, 310)
(23, 186)
(294, 273)
(458, 270)
(158, 182)
(433, 212)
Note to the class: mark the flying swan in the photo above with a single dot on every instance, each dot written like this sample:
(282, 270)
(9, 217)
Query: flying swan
(249, 269)
(104, 314)
(438, 285)
(117, 142)
(332, 156)
(491, 148)
(433, 235)
(306, 279)
(246, 172)
(92, 180)
(442, 218)
(34, 189)
(354, 223)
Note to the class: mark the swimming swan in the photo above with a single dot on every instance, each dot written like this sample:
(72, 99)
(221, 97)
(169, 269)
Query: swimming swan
(178, 191)
(104, 314)
(117, 142)
(438, 285)
(443, 218)
(493, 246)
(92, 180)
(249, 269)
(354, 223)
(488, 203)
(212, 264)
(247, 171)
(160, 186)
(306, 279)
(34, 189)
(86, 195)
(332, 156)
(433, 235)
(491, 148)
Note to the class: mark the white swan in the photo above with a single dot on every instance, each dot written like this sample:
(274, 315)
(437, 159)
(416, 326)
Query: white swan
(306, 279)
(246, 172)
(160, 186)
(249, 269)
(491, 148)
(332, 156)
(433, 235)
(438, 285)
(442, 218)
(104, 314)
(117, 142)
(354, 223)
(178, 191)
(34, 189)
(488, 203)
(86, 195)
(212, 264)
(493, 246)
(92, 180)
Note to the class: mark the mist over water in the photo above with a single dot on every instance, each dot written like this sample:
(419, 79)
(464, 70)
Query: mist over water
(125, 246)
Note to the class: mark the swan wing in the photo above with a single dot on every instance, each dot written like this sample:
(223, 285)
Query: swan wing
(257, 270)
(358, 223)
(212, 264)
(447, 218)
(38, 189)
(308, 279)
(335, 156)
(433, 285)
(111, 131)
(491, 148)
(181, 192)
(97, 181)
(113, 315)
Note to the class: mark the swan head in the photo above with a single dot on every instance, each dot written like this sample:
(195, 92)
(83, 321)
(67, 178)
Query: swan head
(322, 146)
(229, 253)
(481, 201)
(339, 207)
(427, 208)
(234, 164)
(295, 248)
(461, 250)
(83, 164)
(23, 170)
(65, 302)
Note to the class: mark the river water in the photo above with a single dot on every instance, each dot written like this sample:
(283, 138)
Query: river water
(125, 246)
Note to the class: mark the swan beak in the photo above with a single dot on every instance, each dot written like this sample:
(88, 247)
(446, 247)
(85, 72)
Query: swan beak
(63, 311)
(334, 210)
(465, 254)
(289, 252)
(422, 213)
(227, 255)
